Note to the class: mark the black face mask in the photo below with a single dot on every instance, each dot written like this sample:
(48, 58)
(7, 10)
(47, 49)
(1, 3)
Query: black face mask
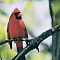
(16, 15)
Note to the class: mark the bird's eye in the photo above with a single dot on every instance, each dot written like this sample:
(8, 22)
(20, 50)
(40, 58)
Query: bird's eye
(17, 15)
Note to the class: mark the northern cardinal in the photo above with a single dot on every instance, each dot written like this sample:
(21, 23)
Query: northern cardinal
(16, 29)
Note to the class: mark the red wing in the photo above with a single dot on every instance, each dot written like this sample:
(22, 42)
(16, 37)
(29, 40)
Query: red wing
(8, 31)
(26, 34)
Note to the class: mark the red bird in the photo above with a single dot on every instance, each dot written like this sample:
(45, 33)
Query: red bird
(16, 29)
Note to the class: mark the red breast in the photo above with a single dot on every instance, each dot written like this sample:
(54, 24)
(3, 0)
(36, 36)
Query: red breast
(16, 26)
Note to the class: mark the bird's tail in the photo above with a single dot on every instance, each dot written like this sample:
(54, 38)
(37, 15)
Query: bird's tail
(19, 49)
(19, 46)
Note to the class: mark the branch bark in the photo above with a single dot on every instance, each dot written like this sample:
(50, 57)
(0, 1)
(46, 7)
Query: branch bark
(35, 42)
(15, 39)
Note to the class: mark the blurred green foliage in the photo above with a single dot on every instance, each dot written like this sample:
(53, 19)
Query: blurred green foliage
(56, 37)
(56, 11)
(42, 55)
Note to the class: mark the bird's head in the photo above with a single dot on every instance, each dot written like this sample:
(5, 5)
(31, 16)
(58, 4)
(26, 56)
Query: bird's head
(17, 13)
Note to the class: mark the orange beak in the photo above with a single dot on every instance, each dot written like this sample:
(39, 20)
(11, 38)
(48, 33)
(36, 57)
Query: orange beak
(19, 14)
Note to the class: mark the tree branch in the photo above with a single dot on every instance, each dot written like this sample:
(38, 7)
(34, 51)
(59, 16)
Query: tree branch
(35, 42)
(15, 39)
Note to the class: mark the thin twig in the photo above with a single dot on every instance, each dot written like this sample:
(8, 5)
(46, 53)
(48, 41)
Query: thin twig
(16, 39)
